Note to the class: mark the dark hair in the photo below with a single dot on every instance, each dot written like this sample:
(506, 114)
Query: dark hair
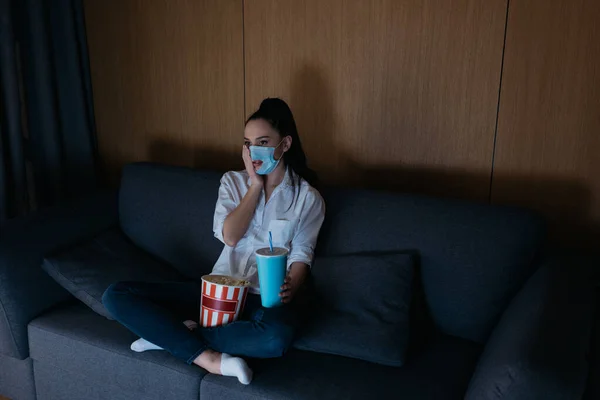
(278, 114)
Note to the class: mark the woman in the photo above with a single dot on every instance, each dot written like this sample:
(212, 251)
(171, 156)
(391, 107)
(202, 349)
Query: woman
(274, 193)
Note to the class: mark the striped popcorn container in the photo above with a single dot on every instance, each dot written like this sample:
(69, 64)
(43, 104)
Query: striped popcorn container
(221, 303)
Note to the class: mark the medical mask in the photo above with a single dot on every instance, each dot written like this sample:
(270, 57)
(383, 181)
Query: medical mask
(267, 156)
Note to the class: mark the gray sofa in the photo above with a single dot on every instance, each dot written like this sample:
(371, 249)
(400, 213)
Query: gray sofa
(493, 315)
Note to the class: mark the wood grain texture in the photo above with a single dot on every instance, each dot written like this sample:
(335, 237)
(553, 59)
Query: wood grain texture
(168, 80)
(386, 93)
(548, 145)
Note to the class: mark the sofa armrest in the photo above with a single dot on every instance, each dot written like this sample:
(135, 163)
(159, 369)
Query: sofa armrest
(539, 348)
(25, 289)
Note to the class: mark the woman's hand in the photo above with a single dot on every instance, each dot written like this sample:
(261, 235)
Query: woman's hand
(237, 222)
(293, 282)
(255, 178)
(288, 290)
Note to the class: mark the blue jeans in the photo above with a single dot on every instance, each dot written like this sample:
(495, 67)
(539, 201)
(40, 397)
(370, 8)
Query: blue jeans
(156, 311)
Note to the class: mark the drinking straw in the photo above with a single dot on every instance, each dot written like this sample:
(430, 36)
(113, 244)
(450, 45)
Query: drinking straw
(271, 241)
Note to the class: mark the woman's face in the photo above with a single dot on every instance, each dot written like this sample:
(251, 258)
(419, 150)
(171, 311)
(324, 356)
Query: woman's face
(259, 132)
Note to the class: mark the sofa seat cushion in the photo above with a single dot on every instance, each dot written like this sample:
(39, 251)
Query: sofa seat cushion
(78, 342)
(440, 371)
(89, 268)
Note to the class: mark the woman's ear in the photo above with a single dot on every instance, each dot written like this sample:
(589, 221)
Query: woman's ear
(287, 143)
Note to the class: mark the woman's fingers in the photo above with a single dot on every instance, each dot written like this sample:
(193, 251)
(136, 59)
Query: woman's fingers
(286, 296)
(286, 290)
(246, 155)
(256, 179)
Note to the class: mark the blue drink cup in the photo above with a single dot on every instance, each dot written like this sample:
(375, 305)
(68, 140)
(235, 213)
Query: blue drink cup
(272, 269)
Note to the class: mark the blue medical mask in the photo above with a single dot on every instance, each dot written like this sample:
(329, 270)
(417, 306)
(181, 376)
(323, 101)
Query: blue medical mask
(267, 156)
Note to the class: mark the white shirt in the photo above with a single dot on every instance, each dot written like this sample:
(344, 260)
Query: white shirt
(293, 214)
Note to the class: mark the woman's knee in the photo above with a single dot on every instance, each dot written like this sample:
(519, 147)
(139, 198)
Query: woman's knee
(113, 294)
(279, 341)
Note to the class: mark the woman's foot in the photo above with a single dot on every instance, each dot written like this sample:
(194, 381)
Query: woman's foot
(235, 366)
(191, 325)
(141, 345)
(226, 365)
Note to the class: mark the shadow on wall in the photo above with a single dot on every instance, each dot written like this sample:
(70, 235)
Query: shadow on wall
(202, 157)
(565, 204)
(312, 103)
(314, 107)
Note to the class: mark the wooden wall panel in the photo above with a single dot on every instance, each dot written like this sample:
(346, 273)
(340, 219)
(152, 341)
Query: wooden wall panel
(386, 93)
(548, 145)
(168, 81)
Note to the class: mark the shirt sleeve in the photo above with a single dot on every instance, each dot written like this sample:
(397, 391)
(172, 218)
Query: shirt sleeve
(305, 239)
(226, 203)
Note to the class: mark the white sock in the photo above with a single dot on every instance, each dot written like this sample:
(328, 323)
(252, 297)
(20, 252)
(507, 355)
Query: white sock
(235, 366)
(141, 344)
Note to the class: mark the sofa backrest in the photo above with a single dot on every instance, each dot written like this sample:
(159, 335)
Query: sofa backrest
(472, 257)
(168, 211)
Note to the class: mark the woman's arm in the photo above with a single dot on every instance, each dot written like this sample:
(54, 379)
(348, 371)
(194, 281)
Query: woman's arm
(294, 281)
(237, 222)
(303, 246)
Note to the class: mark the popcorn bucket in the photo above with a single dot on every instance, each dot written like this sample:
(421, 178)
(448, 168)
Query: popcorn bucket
(223, 300)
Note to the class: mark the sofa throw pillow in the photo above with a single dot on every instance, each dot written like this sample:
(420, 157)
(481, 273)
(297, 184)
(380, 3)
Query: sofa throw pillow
(360, 308)
(88, 269)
